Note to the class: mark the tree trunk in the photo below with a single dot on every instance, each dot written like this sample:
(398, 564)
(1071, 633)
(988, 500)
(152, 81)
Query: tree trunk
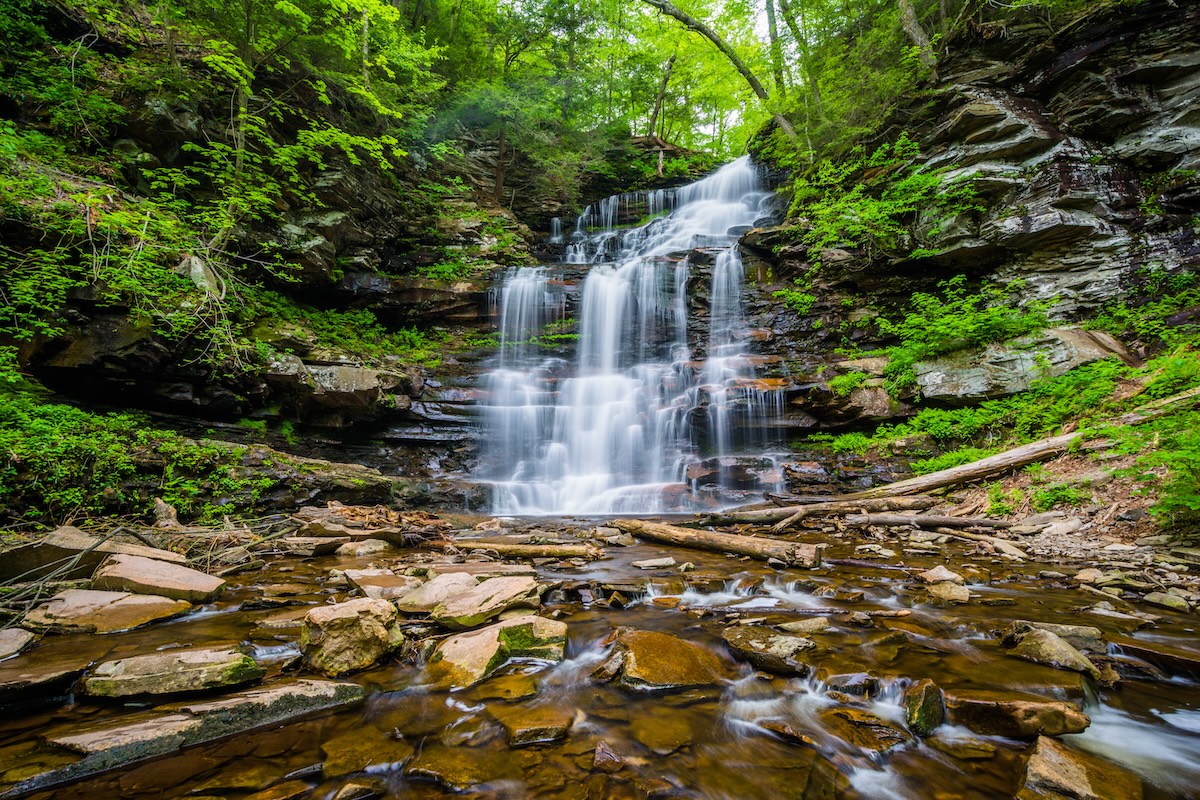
(912, 27)
(501, 167)
(790, 553)
(693, 24)
(766, 515)
(926, 521)
(776, 49)
(661, 96)
(366, 49)
(514, 550)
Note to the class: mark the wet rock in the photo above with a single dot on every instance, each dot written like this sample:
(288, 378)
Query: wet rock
(950, 592)
(651, 661)
(774, 652)
(810, 625)
(654, 563)
(381, 584)
(111, 743)
(481, 570)
(1055, 771)
(487, 601)
(662, 734)
(357, 750)
(349, 636)
(858, 684)
(1167, 600)
(1084, 638)
(1171, 658)
(460, 768)
(533, 724)
(361, 789)
(312, 546)
(1089, 575)
(13, 641)
(33, 561)
(924, 707)
(27, 680)
(1043, 647)
(366, 547)
(288, 790)
(605, 759)
(1009, 714)
(139, 575)
(172, 672)
(89, 611)
(464, 660)
(863, 729)
(939, 574)
(438, 590)
(963, 749)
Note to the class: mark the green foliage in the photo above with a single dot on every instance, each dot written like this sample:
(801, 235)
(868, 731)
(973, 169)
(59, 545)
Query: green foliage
(851, 443)
(954, 458)
(1148, 316)
(1002, 503)
(844, 384)
(957, 320)
(1057, 494)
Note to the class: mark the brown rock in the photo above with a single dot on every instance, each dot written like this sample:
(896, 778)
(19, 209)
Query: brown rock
(139, 575)
(487, 601)
(1057, 771)
(441, 588)
(172, 672)
(533, 724)
(863, 729)
(357, 750)
(36, 560)
(605, 759)
(89, 611)
(13, 641)
(774, 652)
(649, 660)
(1017, 716)
(349, 636)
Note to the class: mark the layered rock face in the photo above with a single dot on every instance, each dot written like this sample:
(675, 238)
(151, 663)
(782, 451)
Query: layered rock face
(1081, 149)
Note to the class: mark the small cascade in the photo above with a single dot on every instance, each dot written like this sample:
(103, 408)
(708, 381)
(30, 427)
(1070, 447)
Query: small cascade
(637, 423)
(556, 231)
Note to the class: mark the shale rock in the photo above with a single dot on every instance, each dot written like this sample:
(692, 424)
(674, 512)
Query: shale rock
(381, 584)
(13, 641)
(460, 768)
(650, 661)
(774, 652)
(1043, 647)
(533, 724)
(1007, 714)
(171, 672)
(36, 560)
(90, 611)
(438, 590)
(354, 752)
(486, 601)
(349, 636)
(464, 660)
(140, 575)
(924, 707)
(1056, 771)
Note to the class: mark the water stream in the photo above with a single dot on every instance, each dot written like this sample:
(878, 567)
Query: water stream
(620, 426)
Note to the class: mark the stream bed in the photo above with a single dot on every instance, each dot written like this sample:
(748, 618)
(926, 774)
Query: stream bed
(839, 732)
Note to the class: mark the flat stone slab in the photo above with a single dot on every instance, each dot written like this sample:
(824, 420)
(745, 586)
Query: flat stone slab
(13, 641)
(653, 661)
(464, 660)
(307, 546)
(381, 584)
(486, 601)
(172, 672)
(110, 743)
(29, 677)
(481, 569)
(36, 560)
(441, 588)
(91, 611)
(139, 575)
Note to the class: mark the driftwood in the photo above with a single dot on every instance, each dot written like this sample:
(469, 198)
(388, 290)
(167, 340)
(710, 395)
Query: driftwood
(508, 550)
(926, 521)
(766, 515)
(1019, 456)
(1004, 546)
(790, 553)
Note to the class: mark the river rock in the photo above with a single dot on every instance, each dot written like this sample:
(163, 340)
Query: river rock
(486, 601)
(460, 768)
(381, 584)
(652, 661)
(810, 625)
(1089, 575)
(349, 636)
(859, 684)
(1084, 638)
(171, 672)
(654, 563)
(108, 743)
(464, 660)
(939, 574)
(438, 590)
(139, 575)
(1055, 771)
(924, 707)
(662, 733)
(1008, 714)
(32, 561)
(950, 592)
(605, 759)
(13, 641)
(1044, 647)
(863, 729)
(355, 751)
(527, 725)
(90, 611)
(1167, 600)
(774, 652)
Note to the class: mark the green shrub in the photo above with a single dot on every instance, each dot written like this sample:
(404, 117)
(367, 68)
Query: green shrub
(1002, 503)
(954, 458)
(847, 443)
(843, 385)
(1057, 494)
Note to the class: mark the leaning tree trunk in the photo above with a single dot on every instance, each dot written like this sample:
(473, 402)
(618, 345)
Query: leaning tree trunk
(661, 96)
(912, 27)
(776, 49)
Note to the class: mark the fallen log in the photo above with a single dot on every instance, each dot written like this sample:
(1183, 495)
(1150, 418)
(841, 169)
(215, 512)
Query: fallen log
(507, 550)
(765, 515)
(791, 553)
(1009, 460)
(926, 521)
(1005, 547)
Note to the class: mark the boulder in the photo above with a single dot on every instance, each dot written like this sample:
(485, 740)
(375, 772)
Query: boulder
(924, 707)
(1167, 600)
(863, 729)
(1084, 638)
(140, 575)
(950, 592)
(1055, 771)
(487, 601)
(381, 584)
(172, 672)
(1044, 647)
(108, 743)
(90, 611)
(774, 652)
(13, 641)
(1013, 715)
(810, 625)
(653, 661)
(349, 636)
(533, 724)
(441, 588)
(36, 560)
(464, 660)
(939, 574)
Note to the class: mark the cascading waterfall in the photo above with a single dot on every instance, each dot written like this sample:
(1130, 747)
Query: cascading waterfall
(617, 430)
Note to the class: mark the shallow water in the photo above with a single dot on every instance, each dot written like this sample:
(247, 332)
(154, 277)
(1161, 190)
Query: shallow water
(699, 743)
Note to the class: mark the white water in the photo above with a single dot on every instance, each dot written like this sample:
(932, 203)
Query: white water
(615, 431)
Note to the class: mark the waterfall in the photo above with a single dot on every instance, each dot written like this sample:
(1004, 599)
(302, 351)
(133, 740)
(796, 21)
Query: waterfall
(635, 417)
(556, 232)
